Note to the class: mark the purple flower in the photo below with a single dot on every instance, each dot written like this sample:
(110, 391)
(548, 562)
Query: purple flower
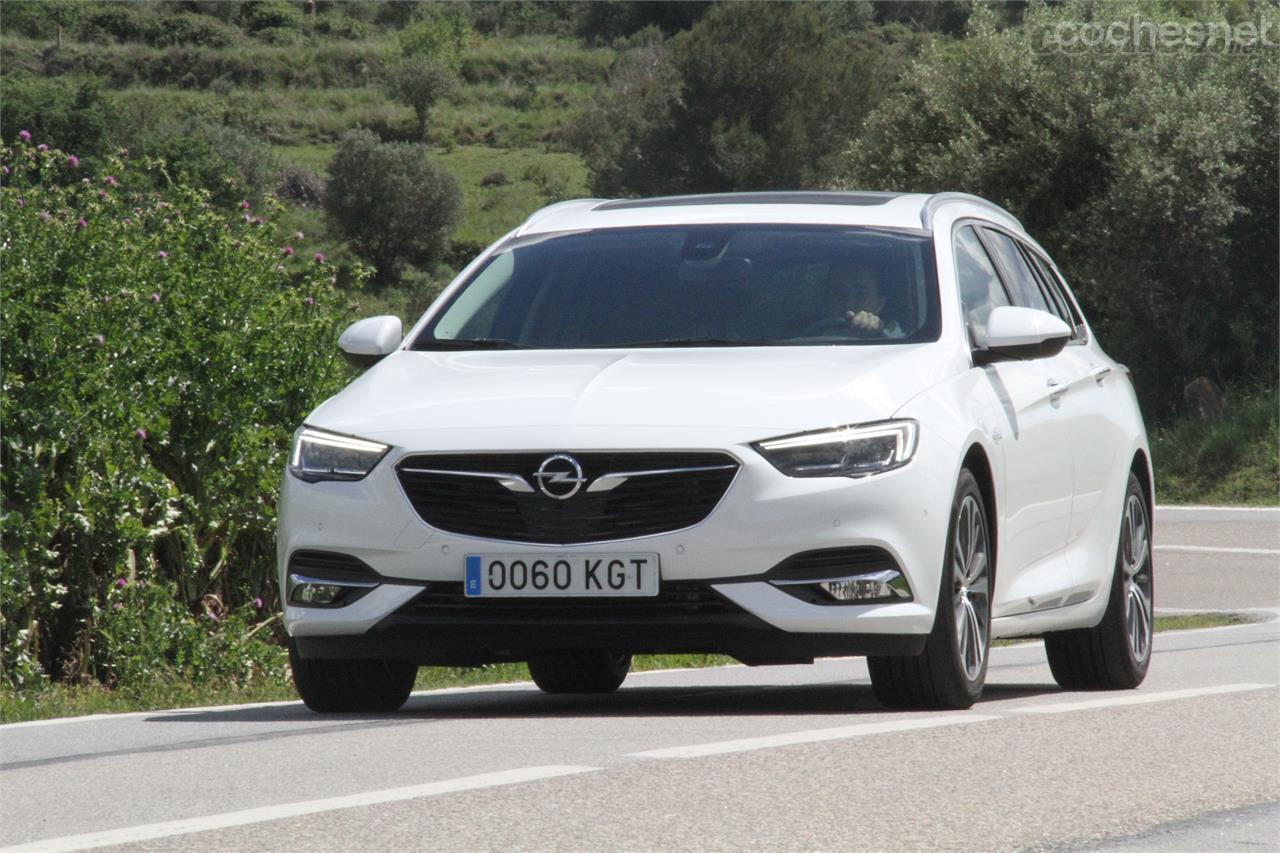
(80, 223)
(42, 147)
(319, 258)
(140, 433)
(121, 583)
(102, 194)
(299, 236)
(99, 339)
(244, 205)
(259, 603)
(4, 170)
(24, 135)
(110, 180)
(128, 221)
(257, 220)
(73, 161)
(309, 300)
(287, 251)
(44, 216)
(22, 202)
(162, 255)
(155, 297)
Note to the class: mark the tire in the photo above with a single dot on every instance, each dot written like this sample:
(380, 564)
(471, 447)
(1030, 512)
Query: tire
(1114, 654)
(952, 669)
(346, 686)
(580, 672)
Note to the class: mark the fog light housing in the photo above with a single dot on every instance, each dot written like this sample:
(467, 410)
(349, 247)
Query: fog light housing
(879, 587)
(307, 591)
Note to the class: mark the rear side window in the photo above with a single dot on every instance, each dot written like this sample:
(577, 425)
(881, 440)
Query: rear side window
(980, 288)
(1023, 286)
(1058, 298)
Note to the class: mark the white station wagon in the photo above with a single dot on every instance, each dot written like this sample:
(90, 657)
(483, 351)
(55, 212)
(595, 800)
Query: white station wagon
(777, 426)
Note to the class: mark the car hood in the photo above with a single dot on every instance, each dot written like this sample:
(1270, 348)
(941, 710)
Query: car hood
(759, 390)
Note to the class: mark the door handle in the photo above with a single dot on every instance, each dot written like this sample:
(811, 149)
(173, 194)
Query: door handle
(1099, 374)
(1056, 389)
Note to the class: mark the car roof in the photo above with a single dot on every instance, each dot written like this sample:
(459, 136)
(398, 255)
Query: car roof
(910, 211)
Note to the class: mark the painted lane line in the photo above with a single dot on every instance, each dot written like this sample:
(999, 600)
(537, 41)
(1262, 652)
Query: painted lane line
(813, 736)
(1138, 699)
(148, 832)
(1204, 508)
(1206, 549)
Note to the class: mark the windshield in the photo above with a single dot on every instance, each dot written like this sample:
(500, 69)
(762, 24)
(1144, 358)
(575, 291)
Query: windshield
(717, 285)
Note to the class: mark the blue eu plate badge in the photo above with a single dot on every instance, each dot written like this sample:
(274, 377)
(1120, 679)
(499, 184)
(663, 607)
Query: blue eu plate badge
(473, 574)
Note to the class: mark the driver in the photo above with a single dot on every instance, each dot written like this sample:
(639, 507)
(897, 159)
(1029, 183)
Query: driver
(855, 297)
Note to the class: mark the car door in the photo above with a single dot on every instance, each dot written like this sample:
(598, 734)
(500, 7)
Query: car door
(1035, 496)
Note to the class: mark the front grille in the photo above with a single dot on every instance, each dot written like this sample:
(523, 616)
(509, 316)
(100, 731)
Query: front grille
(443, 600)
(640, 506)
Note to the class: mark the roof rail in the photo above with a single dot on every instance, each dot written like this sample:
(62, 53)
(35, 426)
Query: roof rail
(937, 200)
(559, 206)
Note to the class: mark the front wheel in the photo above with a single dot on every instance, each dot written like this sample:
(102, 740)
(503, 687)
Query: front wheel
(351, 686)
(952, 669)
(580, 672)
(1114, 654)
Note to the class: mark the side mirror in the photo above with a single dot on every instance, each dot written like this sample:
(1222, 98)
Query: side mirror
(366, 341)
(1025, 333)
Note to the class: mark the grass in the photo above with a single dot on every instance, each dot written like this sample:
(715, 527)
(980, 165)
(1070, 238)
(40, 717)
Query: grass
(60, 700)
(1232, 460)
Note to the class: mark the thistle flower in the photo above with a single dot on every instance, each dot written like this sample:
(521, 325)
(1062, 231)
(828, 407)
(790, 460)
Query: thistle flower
(287, 251)
(308, 300)
(24, 135)
(121, 583)
(140, 434)
(162, 255)
(299, 236)
(22, 202)
(80, 223)
(44, 216)
(319, 258)
(110, 180)
(259, 603)
(73, 161)
(244, 205)
(42, 147)
(102, 194)
(155, 297)
(99, 339)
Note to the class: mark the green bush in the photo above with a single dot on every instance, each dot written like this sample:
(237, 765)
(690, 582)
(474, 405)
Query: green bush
(156, 357)
(186, 28)
(70, 113)
(259, 15)
(392, 204)
(439, 33)
(419, 82)
(1151, 177)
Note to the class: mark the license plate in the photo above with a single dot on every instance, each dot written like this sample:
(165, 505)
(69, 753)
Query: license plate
(575, 575)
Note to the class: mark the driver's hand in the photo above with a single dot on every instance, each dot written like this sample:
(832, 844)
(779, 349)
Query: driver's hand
(864, 320)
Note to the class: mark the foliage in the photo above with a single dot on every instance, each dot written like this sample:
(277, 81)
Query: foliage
(439, 33)
(419, 82)
(71, 110)
(1150, 177)
(1232, 459)
(703, 112)
(390, 201)
(156, 356)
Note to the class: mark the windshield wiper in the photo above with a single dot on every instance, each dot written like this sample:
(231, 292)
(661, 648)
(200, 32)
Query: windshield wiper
(470, 343)
(691, 342)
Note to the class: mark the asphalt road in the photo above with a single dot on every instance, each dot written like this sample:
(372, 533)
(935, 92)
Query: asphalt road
(732, 758)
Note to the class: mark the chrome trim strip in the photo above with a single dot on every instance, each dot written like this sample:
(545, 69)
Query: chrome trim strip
(611, 481)
(513, 482)
(296, 580)
(884, 576)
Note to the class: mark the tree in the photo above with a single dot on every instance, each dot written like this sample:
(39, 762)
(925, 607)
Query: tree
(420, 81)
(1150, 176)
(755, 96)
(392, 204)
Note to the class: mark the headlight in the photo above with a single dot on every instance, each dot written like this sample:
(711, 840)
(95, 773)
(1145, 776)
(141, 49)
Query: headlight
(849, 451)
(319, 455)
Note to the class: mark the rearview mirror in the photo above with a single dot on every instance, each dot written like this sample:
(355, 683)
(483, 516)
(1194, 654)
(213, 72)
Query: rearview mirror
(367, 341)
(1025, 333)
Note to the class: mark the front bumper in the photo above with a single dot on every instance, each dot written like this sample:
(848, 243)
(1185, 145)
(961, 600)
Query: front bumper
(763, 518)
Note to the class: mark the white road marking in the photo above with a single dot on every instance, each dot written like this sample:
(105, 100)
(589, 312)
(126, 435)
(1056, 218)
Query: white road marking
(812, 736)
(1138, 699)
(1206, 549)
(147, 832)
(1200, 508)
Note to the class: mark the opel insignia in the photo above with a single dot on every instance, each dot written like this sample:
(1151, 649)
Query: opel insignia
(777, 426)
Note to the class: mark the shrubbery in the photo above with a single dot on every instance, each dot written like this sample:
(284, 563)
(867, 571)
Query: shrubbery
(156, 356)
(390, 201)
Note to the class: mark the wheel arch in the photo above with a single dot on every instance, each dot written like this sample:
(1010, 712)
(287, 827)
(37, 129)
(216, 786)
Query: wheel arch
(1141, 467)
(978, 464)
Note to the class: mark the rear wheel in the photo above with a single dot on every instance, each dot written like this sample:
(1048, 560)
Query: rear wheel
(580, 672)
(952, 669)
(1114, 654)
(338, 686)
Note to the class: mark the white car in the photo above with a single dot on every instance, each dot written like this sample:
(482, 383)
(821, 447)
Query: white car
(778, 426)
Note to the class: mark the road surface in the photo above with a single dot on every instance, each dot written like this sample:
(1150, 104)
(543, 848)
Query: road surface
(725, 759)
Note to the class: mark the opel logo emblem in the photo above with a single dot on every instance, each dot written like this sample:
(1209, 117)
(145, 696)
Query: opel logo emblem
(559, 476)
